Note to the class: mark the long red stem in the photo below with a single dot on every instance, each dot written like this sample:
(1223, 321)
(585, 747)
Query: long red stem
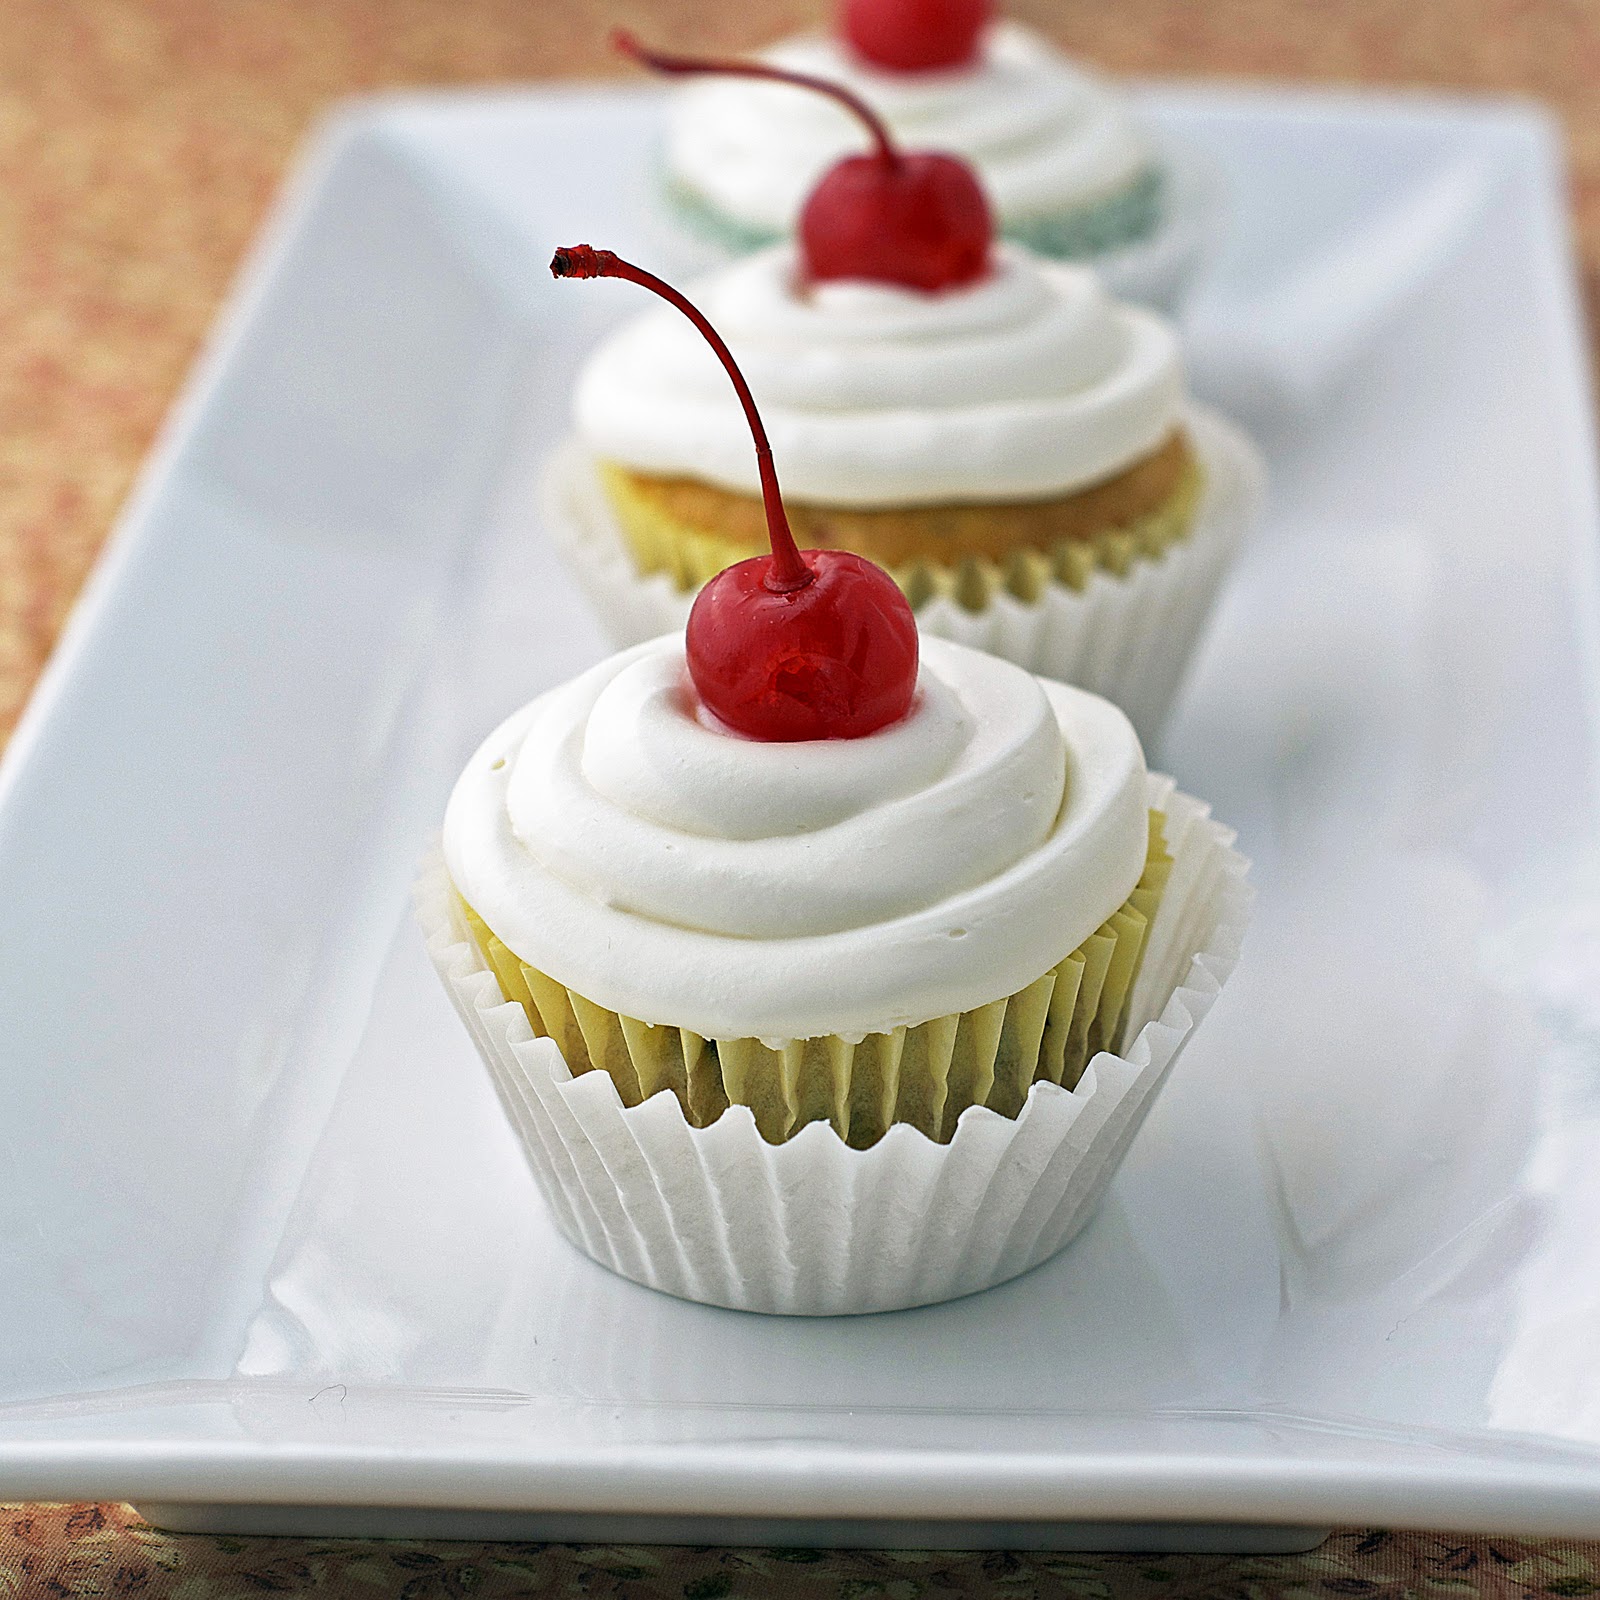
(676, 65)
(788, 572)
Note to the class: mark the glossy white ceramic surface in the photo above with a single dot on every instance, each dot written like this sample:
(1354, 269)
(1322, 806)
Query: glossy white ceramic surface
(264, 1236)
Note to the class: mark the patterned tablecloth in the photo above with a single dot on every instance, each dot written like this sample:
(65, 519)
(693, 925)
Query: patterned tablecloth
(140, 141)
(106, 1550)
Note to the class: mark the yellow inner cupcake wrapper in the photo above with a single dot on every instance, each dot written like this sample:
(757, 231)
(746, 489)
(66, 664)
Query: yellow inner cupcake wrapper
(658, 541)
(926, 1075)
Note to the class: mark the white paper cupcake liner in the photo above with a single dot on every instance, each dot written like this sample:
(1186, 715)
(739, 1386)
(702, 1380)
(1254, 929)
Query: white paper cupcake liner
(812, 1227)
(1126, 637)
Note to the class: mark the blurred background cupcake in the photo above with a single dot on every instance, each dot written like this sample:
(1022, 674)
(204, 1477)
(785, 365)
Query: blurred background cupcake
(1068, 166)
(1019, 452)
(1015, 446)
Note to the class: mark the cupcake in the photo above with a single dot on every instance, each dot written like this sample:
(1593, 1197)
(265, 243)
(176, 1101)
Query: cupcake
(1013, 444)
(1068, 167)
(822, 968)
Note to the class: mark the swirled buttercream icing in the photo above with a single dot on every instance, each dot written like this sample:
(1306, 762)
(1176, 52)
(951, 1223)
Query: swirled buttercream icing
(616, 838)
(1045, 135)
(1032, 382)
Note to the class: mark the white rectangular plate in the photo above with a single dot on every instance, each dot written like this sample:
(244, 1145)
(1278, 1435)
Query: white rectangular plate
(264, 1240)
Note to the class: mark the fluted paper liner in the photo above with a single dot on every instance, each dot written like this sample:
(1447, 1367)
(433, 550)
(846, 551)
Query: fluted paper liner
(691, 556)
(1126, 635)
(1099, 226)
(1154, 266)
(926, 1075)
(812, 1226)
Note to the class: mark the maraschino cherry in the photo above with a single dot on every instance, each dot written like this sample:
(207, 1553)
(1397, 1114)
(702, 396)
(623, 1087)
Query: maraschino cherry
(789, 646)
(917, 220)
(914, 35)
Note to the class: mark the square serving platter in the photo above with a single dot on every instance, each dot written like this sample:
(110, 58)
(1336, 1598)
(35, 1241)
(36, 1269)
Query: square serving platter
(269, 1258)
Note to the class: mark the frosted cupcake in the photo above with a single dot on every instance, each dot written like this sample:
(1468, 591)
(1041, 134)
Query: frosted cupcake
(822, 969)
(1069, 169)
(1013, 444)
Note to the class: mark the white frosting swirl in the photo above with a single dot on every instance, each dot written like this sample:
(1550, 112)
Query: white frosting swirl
(1031, 382)
(1045, 135)
(676, 872)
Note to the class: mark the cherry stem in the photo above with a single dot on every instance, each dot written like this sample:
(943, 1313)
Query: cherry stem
(676, 65)
(788, 571)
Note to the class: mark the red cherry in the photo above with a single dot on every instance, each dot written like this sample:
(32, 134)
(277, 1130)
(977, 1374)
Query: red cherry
(785, 647)
(920, 221)
(834, 660)
(914, 35)
(917, 220)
